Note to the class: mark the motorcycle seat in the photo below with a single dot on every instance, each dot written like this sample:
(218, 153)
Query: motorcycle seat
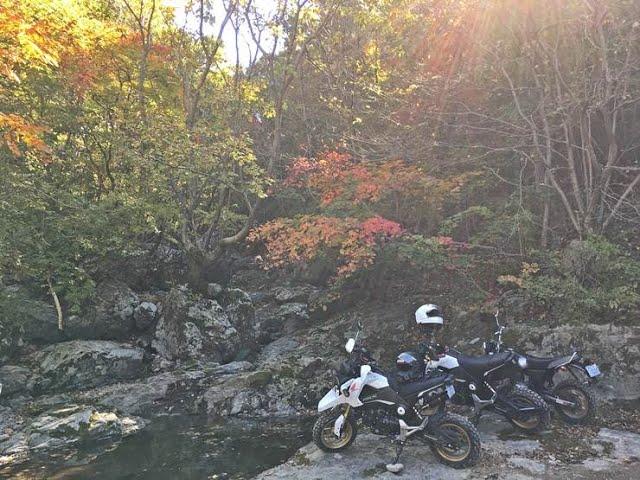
(481, 364)
(547, 363)
(412, 388)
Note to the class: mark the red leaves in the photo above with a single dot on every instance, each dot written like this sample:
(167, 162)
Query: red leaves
(337, 176)
(354, 188)
(298, 171)
(290, 241)
(377, 226)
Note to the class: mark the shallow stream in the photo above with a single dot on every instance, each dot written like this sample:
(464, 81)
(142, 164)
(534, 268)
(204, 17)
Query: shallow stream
(178, 447)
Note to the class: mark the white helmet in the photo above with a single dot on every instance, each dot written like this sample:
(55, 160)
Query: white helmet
(429, 314)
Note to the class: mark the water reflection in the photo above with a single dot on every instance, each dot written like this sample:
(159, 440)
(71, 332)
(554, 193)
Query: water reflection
(179, 447)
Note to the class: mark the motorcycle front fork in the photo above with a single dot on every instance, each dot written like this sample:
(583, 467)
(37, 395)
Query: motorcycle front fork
(347, 410)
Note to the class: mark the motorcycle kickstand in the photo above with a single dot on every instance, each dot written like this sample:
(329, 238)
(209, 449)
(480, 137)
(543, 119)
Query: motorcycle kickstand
(395, 466)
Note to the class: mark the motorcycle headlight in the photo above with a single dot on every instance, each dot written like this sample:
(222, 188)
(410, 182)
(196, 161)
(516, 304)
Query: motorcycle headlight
(522, 362)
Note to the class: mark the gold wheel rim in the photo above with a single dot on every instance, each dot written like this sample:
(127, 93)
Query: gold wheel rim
(329, 438)
(575, 395)
(449, 453)
(527, 424)
(530, 422)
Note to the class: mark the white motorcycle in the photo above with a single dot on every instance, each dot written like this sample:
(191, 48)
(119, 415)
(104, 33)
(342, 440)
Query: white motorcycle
(365, 395)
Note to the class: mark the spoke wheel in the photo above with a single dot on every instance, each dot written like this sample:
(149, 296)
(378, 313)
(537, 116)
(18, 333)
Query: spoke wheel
(458, 443)
(332, 442)
(537, 420)
(459, 440)
(585, 405)
(526, 422)
(324, 436)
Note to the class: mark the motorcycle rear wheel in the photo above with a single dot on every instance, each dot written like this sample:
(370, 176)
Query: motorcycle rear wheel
(325, 438)
(464, 450)
(585, 409)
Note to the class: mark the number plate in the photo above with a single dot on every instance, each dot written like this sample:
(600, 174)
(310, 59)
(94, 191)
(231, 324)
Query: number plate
(592, 370)
(450, 390)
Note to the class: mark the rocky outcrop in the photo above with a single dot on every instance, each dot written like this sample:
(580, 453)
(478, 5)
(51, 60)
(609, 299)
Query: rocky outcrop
(611, 454)
(61, 428)
(235, 394)
(25, 319)
(149, 396)
(145, 315)
(241, 312)
(295, 294)
(275, 321)
(191, 326)
(111, 318)
(86, 364)
(14, 379)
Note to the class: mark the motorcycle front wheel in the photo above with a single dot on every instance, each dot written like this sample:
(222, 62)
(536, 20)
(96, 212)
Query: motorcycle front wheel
(458, 444)
(324, 436)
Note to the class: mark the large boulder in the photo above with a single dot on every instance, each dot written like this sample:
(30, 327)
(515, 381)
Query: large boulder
(40, 323)
(145, 315)
(149, 395)
(237, 394)
(25, 319)
(191, 326)
(14, 379)
(63, 427)
(295, 294)
(87, 363)
(277, 320)
(111, 318)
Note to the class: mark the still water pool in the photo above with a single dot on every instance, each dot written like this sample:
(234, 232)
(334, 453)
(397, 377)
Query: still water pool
(179, 447)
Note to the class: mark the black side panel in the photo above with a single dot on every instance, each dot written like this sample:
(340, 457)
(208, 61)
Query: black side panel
(389, 395)
(414, 388)
(383, 397)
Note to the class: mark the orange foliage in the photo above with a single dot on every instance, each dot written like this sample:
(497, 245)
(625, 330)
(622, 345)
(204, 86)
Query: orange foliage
(35, 36)
(351, 187)
(290, 241)
(338, 177)
(16, 130)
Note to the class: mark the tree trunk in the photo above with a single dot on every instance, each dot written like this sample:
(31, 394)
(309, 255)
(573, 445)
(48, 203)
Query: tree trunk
(56, 302)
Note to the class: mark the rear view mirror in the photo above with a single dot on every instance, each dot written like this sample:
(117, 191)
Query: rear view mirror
(351, 343)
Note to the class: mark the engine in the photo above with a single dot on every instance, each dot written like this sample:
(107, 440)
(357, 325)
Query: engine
(381, 421)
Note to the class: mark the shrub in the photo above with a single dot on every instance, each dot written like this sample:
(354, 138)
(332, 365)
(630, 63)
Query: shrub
(589, 281)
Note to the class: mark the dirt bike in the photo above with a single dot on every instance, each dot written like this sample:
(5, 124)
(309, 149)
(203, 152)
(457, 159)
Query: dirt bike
(572, 397)
(366, 396)
(490, 382)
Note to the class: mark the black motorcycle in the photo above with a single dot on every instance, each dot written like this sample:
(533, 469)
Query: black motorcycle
(365, 395)
(483, 382)
(562, 381)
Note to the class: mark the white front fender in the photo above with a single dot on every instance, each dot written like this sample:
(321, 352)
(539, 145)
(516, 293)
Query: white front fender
(330, 400)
